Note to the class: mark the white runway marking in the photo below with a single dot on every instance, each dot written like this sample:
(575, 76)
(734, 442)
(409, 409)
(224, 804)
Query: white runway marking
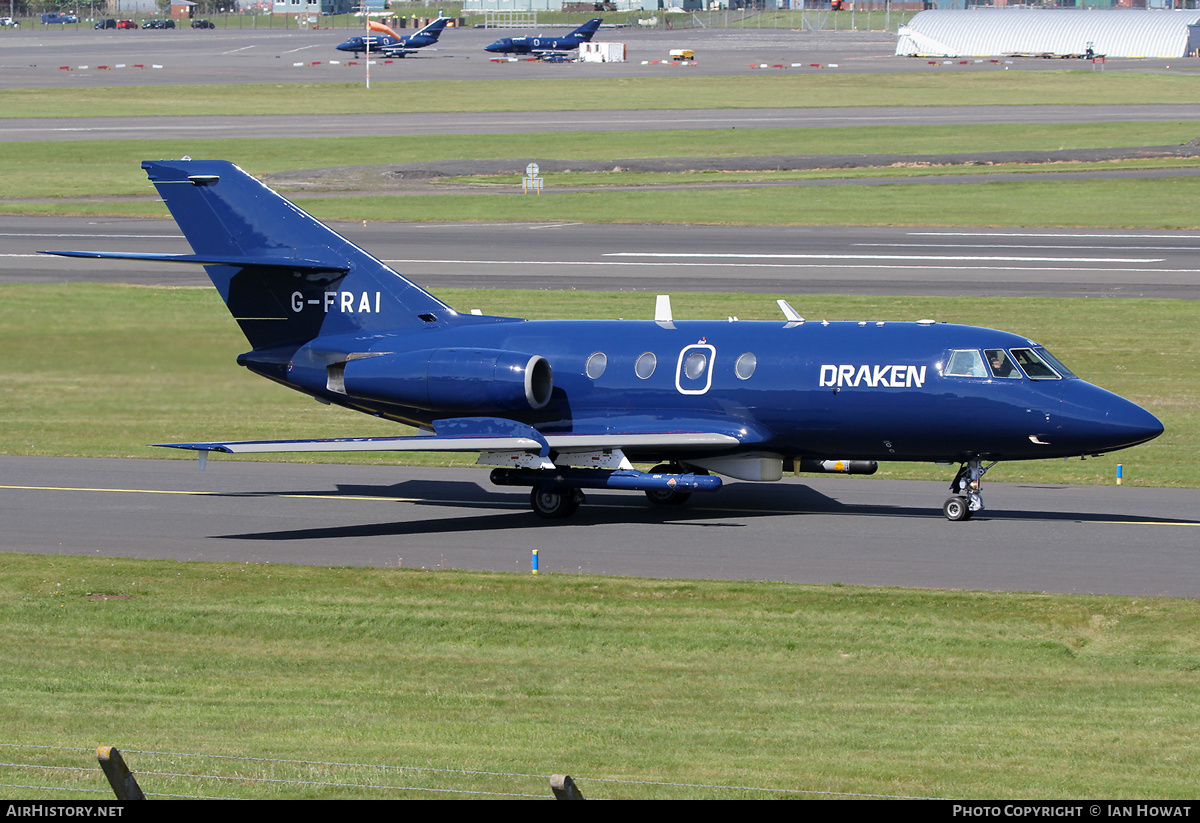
(928, 257)
(764, 265)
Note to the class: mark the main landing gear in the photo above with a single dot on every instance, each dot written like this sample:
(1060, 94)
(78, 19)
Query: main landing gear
(555, 503)
(968, 485)
(556, 493)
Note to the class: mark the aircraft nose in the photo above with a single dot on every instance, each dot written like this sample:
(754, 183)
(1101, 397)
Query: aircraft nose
(1094, 420)
(492, 47)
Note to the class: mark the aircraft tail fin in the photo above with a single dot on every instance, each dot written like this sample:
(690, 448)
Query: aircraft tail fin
(434, 29)
(286, 277)
(588, 29)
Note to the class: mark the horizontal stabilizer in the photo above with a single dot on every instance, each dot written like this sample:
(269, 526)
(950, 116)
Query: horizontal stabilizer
(294, 263)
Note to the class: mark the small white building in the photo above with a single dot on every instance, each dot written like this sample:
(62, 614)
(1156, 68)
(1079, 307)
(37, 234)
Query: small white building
(602, 52)
(996, 32)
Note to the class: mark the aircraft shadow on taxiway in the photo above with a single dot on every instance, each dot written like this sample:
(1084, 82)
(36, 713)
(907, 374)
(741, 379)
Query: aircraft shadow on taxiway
(735, 503)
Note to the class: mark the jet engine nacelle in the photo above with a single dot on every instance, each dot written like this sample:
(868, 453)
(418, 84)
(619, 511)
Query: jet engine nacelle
(449, 379)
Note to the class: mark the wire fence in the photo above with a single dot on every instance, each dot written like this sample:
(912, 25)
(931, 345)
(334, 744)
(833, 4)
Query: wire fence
(66, 773)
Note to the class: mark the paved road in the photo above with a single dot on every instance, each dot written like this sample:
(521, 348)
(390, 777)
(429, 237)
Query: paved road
(783, 260)
(1110, 540)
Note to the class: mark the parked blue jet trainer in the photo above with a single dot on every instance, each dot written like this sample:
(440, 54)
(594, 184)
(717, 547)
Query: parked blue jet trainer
(541, 44)
(571, 404)
(384, 45)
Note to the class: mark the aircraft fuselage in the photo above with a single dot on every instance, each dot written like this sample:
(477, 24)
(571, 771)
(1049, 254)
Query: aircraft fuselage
(812, 389)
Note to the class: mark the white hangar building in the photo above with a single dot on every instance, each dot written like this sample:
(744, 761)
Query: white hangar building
(995, 32)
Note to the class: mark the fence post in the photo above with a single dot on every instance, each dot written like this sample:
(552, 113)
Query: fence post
(123, 783)
(564, 787)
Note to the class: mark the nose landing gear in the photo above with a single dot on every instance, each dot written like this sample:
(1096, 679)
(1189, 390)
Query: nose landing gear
(968, 486)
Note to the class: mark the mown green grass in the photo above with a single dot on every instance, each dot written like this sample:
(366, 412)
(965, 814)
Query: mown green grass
(98, 370)
(999, 88)
(914, 170)
(1145, 204)
(113, 167)
(822, 690)
(1164, 203)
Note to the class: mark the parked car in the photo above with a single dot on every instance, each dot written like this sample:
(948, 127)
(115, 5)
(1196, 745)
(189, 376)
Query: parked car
(126, 24)
(202, 24)
(9, 23)
(105, 24)
(159, 24)
(53, 19)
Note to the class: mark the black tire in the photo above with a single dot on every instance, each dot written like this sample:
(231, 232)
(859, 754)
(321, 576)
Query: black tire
(956, 508)
(554, 504)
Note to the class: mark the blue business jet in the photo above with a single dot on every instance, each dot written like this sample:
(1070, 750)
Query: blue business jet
(565, 405)
(541, 44)
(385, 45)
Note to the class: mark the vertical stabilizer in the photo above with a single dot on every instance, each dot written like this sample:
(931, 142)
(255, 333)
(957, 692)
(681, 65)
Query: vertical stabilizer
(588, 29)
(284, 275)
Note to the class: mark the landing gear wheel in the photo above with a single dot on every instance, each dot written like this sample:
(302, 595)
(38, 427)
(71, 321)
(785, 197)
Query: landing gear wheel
(554, 504)
(668, 497)
(956, 508)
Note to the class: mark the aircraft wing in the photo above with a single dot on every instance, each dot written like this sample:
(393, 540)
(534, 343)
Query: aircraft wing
(491, 434)
(470, 443)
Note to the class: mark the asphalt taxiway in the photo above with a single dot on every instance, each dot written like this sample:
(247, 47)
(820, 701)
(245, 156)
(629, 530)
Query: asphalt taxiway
(1129, 541)
(759, 259)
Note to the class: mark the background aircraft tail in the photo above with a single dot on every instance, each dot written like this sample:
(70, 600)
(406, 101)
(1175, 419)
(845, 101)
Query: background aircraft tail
(434, 29)
(285, 276)
(588, 29)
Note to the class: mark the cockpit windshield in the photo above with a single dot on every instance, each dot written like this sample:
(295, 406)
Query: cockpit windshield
(1035, 363)
(965, 363)
(1040, 365)
(1001, 364)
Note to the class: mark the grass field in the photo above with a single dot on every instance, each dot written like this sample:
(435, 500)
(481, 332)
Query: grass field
(489, 683)
(111, 168)
(1068, 87)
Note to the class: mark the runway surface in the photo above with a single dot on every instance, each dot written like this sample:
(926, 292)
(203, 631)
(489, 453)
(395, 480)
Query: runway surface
(770, 260)
(1111, 540)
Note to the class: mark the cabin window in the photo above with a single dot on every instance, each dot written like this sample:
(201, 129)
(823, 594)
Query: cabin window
(596, 365)
(645, 365)
(1034, 365)
(965, 363)
(695, 364)
(1001, 364)
(745, 366)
